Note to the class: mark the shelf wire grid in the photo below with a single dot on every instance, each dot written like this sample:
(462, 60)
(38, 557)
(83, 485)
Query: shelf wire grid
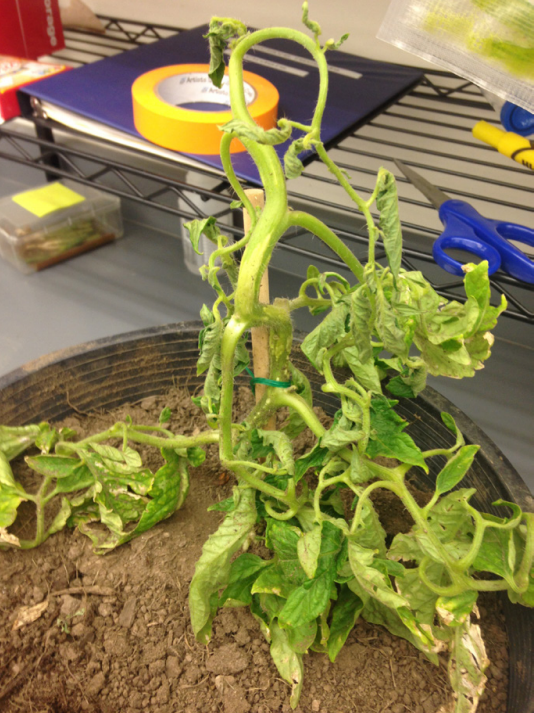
(429, 129)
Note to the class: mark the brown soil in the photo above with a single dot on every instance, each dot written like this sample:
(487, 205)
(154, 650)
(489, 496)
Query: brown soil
(115, 634)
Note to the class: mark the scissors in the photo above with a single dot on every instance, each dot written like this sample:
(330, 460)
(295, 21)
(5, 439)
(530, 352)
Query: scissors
(465, 229)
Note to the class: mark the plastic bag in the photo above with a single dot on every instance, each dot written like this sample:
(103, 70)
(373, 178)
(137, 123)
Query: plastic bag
(490, 42)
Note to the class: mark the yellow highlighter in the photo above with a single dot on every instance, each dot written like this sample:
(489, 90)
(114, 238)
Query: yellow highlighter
(506, 142)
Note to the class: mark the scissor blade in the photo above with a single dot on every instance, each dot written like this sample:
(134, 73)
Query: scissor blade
(434, 194)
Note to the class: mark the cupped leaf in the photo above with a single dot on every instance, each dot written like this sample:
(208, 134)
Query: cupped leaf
(273, 581)
(371, 581)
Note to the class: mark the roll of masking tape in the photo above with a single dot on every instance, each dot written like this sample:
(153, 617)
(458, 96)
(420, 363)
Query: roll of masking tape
(179, 108)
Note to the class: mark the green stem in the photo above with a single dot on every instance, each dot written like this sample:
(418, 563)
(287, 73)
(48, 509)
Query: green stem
(226, 160)
(329, 238)
(465, 562)
(137, 434)
(362, 205)
(298, 404)
(362, 499)
(522, 577)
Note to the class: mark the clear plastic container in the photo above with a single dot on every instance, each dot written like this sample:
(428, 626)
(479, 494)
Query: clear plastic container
(489, 42)
(211, 206)
(44, 226)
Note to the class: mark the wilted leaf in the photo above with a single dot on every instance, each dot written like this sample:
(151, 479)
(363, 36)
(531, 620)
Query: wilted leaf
(288, 663)
(212, 570)
(346, 611)
(253, 132)
(387, 204)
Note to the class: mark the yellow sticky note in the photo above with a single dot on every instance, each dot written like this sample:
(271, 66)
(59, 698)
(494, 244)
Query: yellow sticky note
(42, 201)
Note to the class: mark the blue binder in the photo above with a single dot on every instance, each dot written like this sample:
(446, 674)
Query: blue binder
(358, 87)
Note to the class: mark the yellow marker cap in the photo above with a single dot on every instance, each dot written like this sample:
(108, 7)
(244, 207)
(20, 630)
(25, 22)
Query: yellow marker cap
(488, 133)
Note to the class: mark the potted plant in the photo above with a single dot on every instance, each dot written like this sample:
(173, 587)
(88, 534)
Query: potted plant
(329, 560)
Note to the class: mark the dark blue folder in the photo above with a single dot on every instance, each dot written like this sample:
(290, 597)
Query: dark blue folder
(102, 91)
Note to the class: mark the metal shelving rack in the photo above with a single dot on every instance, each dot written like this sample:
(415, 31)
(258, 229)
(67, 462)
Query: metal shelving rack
(429, 129)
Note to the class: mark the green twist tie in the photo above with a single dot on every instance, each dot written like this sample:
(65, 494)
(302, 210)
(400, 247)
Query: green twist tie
(266, 382)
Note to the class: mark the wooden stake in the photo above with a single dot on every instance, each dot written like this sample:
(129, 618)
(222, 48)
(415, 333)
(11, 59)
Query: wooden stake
(260, 335)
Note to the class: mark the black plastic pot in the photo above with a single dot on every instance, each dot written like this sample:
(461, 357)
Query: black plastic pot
(108, 372)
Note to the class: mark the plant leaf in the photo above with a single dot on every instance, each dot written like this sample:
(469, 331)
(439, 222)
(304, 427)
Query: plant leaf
(346, 611)
(198, 228)
(288, 663)
(220, 32)
(387, 437)
(281, 445)
(212, 570)
(308, 549)
(332, 327)
(301, 638)
(309, 600)
(283, 539)
(15, 440)
(253, 132)
(455, 468)
(313, 459)
(468, 661)
(293, 166)
(361, 316)
(11, 495)
(387, 204)
(372, 582)
(243, 572)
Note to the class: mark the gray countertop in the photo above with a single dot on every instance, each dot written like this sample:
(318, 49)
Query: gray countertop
(140, 281)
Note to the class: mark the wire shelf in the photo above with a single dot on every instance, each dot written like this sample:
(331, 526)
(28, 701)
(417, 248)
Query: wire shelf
(429, 129)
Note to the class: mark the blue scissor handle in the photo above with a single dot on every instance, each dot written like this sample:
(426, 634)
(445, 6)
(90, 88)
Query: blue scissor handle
(466, 229)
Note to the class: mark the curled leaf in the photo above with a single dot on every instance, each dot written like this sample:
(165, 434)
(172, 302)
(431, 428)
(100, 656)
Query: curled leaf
(253, 132)
(315, 27)
(221, 31)
(293, 166)
(387, 204)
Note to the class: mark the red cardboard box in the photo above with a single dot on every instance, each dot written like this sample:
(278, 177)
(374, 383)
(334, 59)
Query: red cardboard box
(16, 73)
(30, 28)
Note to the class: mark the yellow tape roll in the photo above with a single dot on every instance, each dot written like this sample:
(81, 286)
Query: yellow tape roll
(160, 98)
